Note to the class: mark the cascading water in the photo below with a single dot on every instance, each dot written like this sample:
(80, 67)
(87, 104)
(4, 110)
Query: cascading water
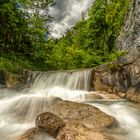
(127, 116)
(70, 85)
(18, 110)
(75, 80)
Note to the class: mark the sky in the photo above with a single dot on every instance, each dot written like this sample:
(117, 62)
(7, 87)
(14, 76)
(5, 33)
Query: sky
(66, 13)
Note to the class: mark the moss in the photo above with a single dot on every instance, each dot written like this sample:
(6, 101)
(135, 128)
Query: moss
(113, 67)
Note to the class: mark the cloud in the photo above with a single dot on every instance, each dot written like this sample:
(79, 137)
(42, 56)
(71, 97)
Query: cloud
(66, 13)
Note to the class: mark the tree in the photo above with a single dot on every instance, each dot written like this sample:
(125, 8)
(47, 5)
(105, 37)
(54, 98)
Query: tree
(23, 25)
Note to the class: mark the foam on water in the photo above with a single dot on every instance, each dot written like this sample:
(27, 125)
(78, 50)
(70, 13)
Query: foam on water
(73, 80)
(18, 110)
(128, 118)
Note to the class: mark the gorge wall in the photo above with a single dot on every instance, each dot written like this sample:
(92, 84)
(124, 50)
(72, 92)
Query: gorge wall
(123, 75)
(129, 38)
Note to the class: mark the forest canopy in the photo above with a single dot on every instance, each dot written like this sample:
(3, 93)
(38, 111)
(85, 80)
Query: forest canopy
(24, 41)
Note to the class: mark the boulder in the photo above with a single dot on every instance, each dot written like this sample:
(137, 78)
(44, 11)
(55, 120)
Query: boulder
(73, 121)
(79, 133)
(28, 135)
(34, 134)
(133, 93)
(86, 115)
(83, 122)
(49, 123)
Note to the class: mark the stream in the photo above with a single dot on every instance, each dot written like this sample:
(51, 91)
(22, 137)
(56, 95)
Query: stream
(18, 109)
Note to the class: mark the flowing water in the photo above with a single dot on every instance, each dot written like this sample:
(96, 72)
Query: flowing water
(127, 116)
(18, 110)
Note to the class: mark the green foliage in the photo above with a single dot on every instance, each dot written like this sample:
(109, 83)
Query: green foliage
(113, 67)
(91, 42)
(23, 31)
(23, 25)
(116, 55)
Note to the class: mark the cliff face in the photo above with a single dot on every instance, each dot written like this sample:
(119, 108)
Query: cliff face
(123, 75)
(120, 77)
(129, 38)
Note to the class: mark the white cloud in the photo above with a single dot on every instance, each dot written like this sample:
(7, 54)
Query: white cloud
(66, 13)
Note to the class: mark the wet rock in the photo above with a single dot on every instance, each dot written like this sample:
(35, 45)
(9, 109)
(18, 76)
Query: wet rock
(73, 121)
(83, 122)
(93, 96)
(79, 133)
(111, 96)
(122, 95)
(15, 81)
(28, 135)
(120, 81)
(34, 134)
(86, 115)
(133, 93)
(101, 95)
(49, 123)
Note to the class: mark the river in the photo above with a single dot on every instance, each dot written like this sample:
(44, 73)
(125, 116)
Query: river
(18, 109)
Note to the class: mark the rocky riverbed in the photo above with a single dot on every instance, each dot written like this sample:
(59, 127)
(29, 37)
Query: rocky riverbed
(73, 121)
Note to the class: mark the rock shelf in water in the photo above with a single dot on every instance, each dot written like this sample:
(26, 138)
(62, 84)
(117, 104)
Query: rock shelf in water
(82, 122)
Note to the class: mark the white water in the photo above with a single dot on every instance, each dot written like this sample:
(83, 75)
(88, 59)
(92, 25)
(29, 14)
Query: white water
(18, 110)
(73, 80)
(127, 116)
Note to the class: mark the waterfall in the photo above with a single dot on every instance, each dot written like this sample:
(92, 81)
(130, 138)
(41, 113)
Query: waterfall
(18, 110)
(68, 85)
(73, 80)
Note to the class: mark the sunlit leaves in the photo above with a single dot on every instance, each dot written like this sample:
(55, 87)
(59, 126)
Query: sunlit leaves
(91, 42)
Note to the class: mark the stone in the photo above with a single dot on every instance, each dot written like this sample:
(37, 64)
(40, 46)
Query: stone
(122, 95)
(28, 135)
(71, 121)
(119, 81)
(76, 133)
(133, 93)
(100, 95)
(34, 134)
(83, 122)
(49, 123)
(87, 115)
(93, 96)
